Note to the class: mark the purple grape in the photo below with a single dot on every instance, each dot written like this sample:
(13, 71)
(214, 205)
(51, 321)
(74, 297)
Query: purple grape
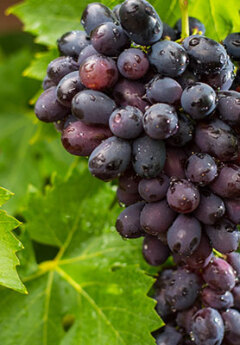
(128, 222)
(68, 87)
(194, 24)
(163, 90)
(47, 107)
(184, 235)
(219, 275)
(81, 139)
(231, 319)
(85, 53)
(215, 299)
(126, 123)
(116, 10)
(201, 256)
(169, 33)
(229, 107)
(210, 209)
(227, 184)
(127, 92)
(154, 251)
(156, 217)
(236, 296)
(126, 198)
(61, 66)
(175, 162)
(207, 327)
(162, 307)
(154, 189)
(201, 169)
(169, 58)
(198, 100)
(72, 43)
(187, 78)
(216, 138)
(148, 156)
(169, 336)
(234, 260)
(68, 120)
(47, 83)
(129, 181)
(183, 196)
(223, 236)
(184, 318)
(93, 107)
(110, 159)
(232, 45)
(133, 63)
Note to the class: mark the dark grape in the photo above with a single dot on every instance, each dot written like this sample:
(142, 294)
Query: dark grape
(98, 72)
(169, 33)
(219, 275)
(184, 235)
(184, 133)
(198, 100)
(126, 123)
(133, 63)
(81, 139)
(68, 87)
(170, 336)
(234, 260)
(93, 107)
(85, 53)
(47, 107)
(184, 318)
(110, 159)
(229, 107)
(129, 181)
(162, 307)
(201, 169)
(141, 21)
(109, 39)
(169, 58)
(128, 222)
(217, 300)
(194, 25)
(231, 319)
(154, 189)
(183, 196)
(210, 209)
(94, 15)
(148, 157)
(47, 83)
(236, 83)
(126, 198)
(232, 45)
(163, 90)
(154, 251)
(156, 217)
(227, 184)
(236, 296)
(68, 120)
(116, 10)
(207, 327)
(175, 162)
(187, 78)
(58, 68)
(72, 43)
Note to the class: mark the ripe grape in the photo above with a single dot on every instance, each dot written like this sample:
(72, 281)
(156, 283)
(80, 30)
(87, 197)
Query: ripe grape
(194, 24)
(175, 162)
(201, 168)
(184, 318)
(169, 33)
(154, 251)
(47, 83)
(231, 319)
(85, 53)
(152, 190)
(234, 260)
(133, 63)
(232, 45)
(126, 198)
(128, 222)
(72, 43)
(211, 208)
(187, 78)
(229, 107)
(227, 184)
(129, 181)
(169, 336)
(61, 66)
(68, 87)
(236, 296)
(215, 299)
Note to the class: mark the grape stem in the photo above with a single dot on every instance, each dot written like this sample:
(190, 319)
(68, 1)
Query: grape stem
(185, 23)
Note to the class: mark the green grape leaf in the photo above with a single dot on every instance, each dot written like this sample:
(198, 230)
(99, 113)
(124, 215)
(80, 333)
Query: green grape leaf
(93, 288)
(9, 245)
(38, 67)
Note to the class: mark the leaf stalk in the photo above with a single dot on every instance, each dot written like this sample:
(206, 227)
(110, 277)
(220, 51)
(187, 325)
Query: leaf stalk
(185, 21)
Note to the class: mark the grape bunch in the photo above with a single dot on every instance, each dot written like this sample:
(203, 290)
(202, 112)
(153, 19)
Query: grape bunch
(159, 116)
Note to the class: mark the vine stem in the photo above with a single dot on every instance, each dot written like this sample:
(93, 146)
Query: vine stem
(185, 23)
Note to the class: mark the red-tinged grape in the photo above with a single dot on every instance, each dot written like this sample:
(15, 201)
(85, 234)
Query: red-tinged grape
(81, 139)
(184, 235)
(229, 107)
(72, 43)
(201, 169)
(47, 107)
(126, 198)
(133, 63)
(128, 222)
(61, 66)
(210, 209)
(68, 87)
(85, 53)
(231, 319)
(93, 107)
(163, 90)
(154, 251)
(154, 189)
(219, 275)
(183, 196)
(129, 181)
(234, 260)
(216, 299)
(227, 184)
(156, 217)
(169, 336)
(175, 162)
(110, 159)
(236, 296)
(98, 72)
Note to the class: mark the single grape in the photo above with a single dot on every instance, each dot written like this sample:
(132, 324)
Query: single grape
(126, 198)
(129, 181)
(110, 159)
(47, 83)
(133, 63)
(175, 162)
(201, 169)
(156, 217)
(154, 251)
(233, 210)
(232, 45)
(47, 107)
(141, 21)
(68, 120)
(94, 15)
(169, 33)
(236, 82)
(72, 43)
(198, 100)
(85, 53)
(207, 327)
(227, 184)
(210, 209)
(81, 139)
(61, 66)
(234, 260)
(169, 58)
(231, 319)
(183, 196)
(68, 87)
(169, 336)
(128, 222)
(148, 156)
(236, 296)
(160, 121)
(184, 235)
(93, 107)
(98, 72)
(229, 107)
(217, 139)
(184, 318)
(163, 90)
(116, 10)
(184, 133)
(154, 189)
(126, 123)
(162, 307)
(215, 299)
(109, 39)
(194, 25)
(187, 78)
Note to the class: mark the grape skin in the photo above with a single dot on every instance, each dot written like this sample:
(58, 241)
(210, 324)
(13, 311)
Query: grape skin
(194, 24)
(231, 43)
(154, 189)
(128, 222)
(61, 66)
(201, 169)
(175, 162)
(231, 318)
(227, 184)
(133, 63)
(126, 198)
(72, 43)
(68, 87)
(229, 107)
(217, 300)
(89, 50)
(154, 251)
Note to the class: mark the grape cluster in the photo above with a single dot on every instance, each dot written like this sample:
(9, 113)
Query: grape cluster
(160, 116)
